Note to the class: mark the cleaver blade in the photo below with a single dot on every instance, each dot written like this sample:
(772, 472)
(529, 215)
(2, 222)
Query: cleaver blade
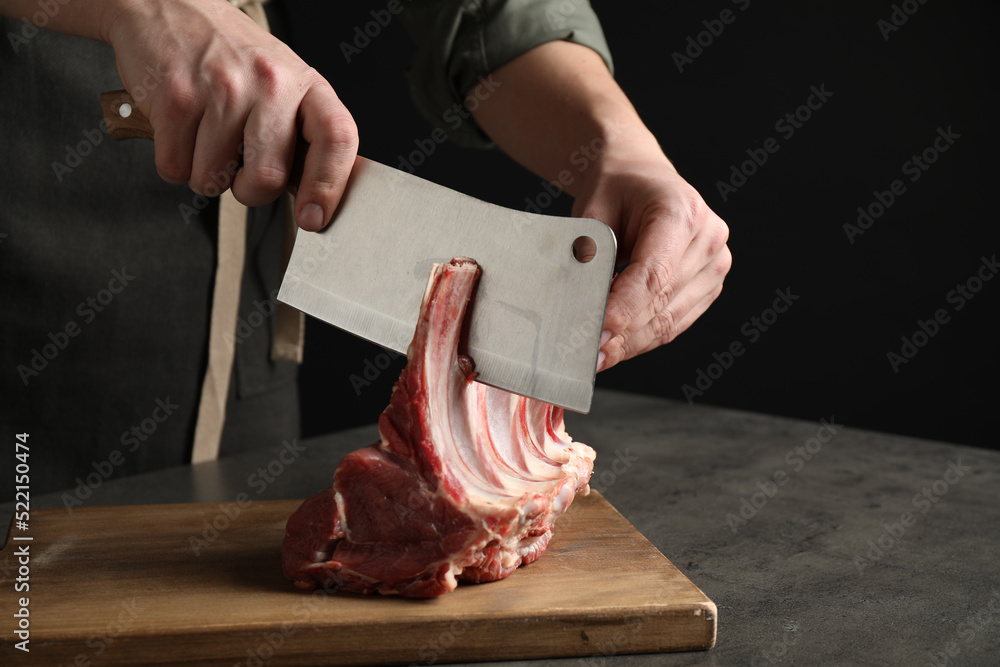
(535, 324)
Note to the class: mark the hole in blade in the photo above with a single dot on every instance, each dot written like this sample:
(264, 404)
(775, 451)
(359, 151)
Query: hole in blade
(584, 249)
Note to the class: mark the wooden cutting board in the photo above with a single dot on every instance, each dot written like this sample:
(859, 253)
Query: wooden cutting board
(124, 586)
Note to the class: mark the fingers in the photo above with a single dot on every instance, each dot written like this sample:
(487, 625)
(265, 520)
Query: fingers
(175, 121)
(201, 146)
(212, 81)
(217, 144)
(678, 315)
(332, 136)
(658, 296)
(692, 315)
(269, 149)
(661, 263)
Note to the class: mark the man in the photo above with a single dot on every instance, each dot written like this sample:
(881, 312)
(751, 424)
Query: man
(115, 280)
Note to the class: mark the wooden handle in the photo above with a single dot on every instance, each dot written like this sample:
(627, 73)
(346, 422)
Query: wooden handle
(123, 118)
(125, 121)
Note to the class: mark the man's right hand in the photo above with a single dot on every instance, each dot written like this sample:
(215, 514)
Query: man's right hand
(210, 79)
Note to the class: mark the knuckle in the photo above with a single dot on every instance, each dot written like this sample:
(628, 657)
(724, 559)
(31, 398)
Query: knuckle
(201, 184)
(724, 230)
(718, 236)
(658, 280)
(311, 78)
(631, 346)
(324, 187)
(695, 206)
(223, 85)
(619, 346)
(616, 318)
(267, 72)
(226, 89)
(664, 325)
(197, 187)
(686, 211)
(172, 172)
(266, 178)
(172, 169)
(696, 211)
(338, 131)
(179, 100)
(725, 261)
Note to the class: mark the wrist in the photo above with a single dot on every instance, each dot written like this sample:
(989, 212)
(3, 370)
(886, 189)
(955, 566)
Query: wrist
(617, 145)
(117, 17)
(80, 19)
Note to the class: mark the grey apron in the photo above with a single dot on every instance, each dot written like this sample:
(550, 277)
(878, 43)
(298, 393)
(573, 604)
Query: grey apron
(106, 276)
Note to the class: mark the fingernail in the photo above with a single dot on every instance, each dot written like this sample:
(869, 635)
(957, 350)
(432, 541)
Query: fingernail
(600, 360)
(605, 337)
(311, 217)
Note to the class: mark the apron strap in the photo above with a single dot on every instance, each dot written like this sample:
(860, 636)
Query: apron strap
(221, 347)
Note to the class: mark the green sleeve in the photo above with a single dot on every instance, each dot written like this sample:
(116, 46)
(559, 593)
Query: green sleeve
(460, 41)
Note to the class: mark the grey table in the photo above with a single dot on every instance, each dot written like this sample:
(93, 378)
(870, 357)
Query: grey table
(820, 543)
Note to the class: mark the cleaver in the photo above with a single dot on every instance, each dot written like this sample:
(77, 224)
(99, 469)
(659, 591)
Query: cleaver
(535, 325)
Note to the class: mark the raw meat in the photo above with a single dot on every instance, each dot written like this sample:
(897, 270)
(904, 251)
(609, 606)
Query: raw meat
(465, 483)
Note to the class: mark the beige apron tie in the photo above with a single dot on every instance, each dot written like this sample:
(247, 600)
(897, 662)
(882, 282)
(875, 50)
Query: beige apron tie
(289, 323)
(225, 310)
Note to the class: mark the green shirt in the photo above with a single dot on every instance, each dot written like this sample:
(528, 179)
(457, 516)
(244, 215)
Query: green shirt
(459, 43)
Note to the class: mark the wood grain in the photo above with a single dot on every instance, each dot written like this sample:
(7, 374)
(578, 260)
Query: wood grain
(134, 125)
(124, 586)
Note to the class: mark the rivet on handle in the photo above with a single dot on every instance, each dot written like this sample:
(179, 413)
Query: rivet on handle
(123, 118)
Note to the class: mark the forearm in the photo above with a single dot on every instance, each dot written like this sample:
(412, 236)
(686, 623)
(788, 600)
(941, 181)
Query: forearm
(86, 18)
(557, 110)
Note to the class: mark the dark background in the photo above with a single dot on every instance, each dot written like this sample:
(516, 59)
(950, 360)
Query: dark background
(827, 356)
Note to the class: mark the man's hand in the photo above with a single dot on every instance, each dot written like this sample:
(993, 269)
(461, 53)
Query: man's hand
(674, 244)
(558, 99)
(210, 79)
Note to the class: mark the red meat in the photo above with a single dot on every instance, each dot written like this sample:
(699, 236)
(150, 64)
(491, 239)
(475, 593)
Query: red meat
(465, 483)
